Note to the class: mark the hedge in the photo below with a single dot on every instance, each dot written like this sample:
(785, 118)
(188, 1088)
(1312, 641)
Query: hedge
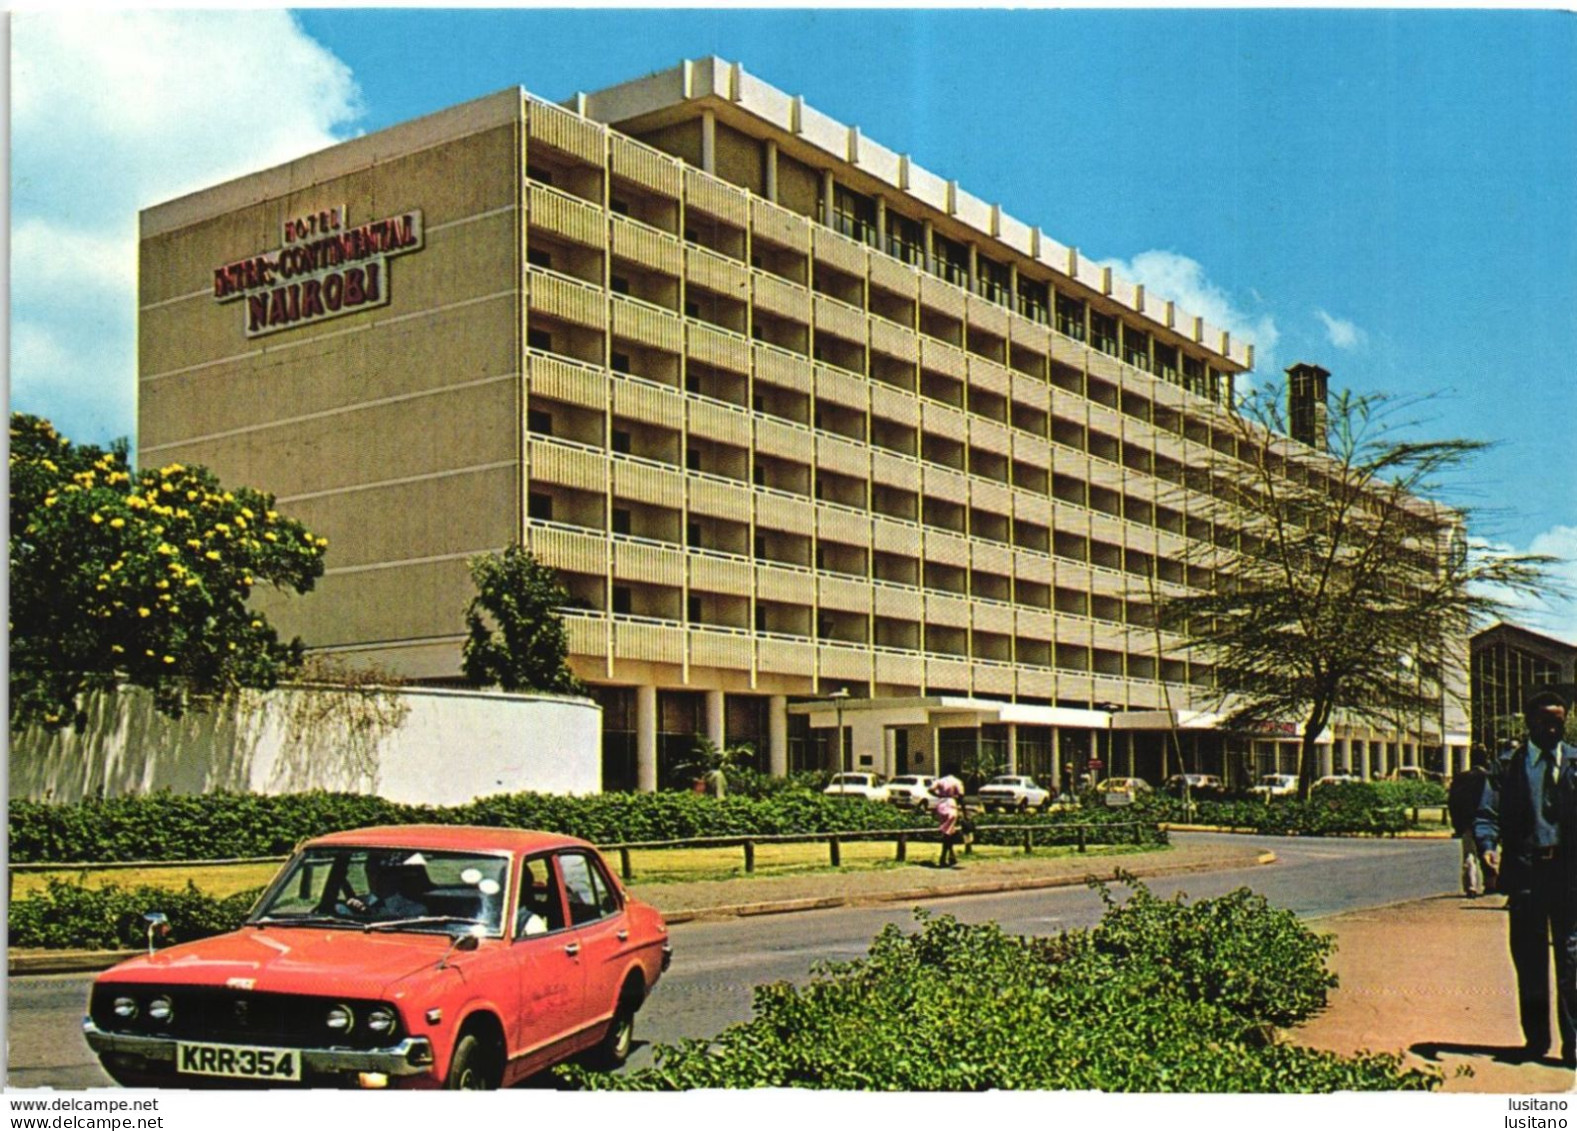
(1161, 996)
(164, 826)
(68, 915)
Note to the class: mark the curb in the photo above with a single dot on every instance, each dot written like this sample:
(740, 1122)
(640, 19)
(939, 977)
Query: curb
(984, 887)
(92, 961)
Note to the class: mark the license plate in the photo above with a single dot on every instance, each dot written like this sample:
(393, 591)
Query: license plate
(243, 1062)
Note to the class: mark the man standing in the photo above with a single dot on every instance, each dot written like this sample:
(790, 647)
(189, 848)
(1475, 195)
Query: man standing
(1467, 788)
(1526, 829)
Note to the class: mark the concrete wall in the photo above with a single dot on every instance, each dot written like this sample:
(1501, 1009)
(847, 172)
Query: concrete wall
(414, 745)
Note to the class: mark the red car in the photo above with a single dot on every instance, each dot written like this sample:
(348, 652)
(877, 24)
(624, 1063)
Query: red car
(412, 956)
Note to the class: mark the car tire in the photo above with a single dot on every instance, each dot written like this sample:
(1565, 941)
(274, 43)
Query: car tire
(1023, 805)
(614, 1049)
(474, 1067)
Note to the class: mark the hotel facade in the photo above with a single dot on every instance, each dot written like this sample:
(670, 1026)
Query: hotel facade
(834, 458)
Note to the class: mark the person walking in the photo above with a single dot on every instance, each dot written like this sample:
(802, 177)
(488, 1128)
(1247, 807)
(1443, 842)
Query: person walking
(949, 792)
(1467, 788)
(1526, 829)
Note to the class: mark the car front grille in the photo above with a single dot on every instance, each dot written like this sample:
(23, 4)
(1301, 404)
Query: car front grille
(240, 1017)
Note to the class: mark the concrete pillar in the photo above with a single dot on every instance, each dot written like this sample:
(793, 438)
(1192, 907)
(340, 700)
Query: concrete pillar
(1128, 746)
(881, 222)
(770, 174)
(1346, 756)
(646, 739)
(1327, 758)
(925, 261)
(777, 736)
(708, 142)
(1056, 758)
(716, 719)
(1366, 759)
(1012, 748)
(827, 188)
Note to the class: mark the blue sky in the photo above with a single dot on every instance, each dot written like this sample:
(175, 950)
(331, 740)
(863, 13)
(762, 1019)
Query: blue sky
(1388, 193)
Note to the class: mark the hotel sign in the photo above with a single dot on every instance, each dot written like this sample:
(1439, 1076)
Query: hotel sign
(325, 267)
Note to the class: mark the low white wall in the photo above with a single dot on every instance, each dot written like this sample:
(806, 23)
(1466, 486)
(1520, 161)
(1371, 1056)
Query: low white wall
(417, 745)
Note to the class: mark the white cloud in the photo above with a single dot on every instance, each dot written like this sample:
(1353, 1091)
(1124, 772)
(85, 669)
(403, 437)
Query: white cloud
(113, 111)
(1167, 274)
(1341, 333)
(1555, 611)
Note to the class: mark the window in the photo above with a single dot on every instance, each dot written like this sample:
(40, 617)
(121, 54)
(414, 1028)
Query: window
(693, 610)
(993, 281)
(619, 284)
(621, 520)
(949, 259)
(692, 459)
(539, 422)
(540, 909)
(854, 214)
(692, 534)
(1103, 332)
(538, 173)
(1034, 300)
(620, 362)
(539, 340)
(692, 309)
(539, 258)
(591, 895)
(761, 619)
(622, 604)
(621, 441)
(905, 238)
(1070, 317)
(539, 506)
(622, 207)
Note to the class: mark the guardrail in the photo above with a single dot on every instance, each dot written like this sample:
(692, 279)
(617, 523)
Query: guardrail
(900, 837)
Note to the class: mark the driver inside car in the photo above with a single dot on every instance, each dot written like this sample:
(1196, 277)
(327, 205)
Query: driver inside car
(394, 891)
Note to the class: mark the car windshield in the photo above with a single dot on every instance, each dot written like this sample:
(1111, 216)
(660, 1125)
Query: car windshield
(849, 779)
(907, 781)
(1005, 781)
(388, 889)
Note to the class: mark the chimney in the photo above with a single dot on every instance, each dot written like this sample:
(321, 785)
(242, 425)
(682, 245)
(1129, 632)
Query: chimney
(1306, 384)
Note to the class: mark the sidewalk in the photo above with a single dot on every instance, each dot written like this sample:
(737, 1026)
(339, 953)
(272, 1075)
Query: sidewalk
(1432, 979)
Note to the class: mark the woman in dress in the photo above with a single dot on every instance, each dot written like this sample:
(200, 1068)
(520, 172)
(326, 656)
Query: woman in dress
(949, 791)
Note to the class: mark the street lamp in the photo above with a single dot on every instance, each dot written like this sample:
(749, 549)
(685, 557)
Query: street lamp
(839, 697)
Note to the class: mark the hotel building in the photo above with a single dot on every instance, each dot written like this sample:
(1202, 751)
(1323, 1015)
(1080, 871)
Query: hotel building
(834, 457)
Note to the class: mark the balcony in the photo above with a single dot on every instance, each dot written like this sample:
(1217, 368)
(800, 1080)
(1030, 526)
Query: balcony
(644, 481)
(570, 300)
(640, 164)
(716, 346)
(647, 562)
(780, 297)
(716, 197)
(778, 225)
(567, 464)
(647, 324)
(647, 640)
(569, 133)
(559, 379)
(646, 246)
(568, 549)
(648, 402)
(840, 319)
(716, 273)
(564, 215)
(782, 368)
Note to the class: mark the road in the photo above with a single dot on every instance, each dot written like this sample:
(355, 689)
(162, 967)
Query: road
(717, 963)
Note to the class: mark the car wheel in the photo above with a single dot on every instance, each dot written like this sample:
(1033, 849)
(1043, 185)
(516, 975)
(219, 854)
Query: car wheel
(614, 1048)
(1046, 804)
(1023, 805)
(474, 1067)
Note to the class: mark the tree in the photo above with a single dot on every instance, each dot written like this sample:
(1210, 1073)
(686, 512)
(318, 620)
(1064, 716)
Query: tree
(139, 578)
(1337, 586)
(516, 637)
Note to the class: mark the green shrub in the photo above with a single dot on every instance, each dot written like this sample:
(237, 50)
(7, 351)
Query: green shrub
(165, 826)
(68, 915)
(959, 1007)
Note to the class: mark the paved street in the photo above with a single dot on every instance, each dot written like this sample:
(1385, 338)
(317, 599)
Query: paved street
(717, 962)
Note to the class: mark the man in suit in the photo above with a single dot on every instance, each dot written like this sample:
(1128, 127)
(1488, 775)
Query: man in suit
(1526, 828)
(1467, 788)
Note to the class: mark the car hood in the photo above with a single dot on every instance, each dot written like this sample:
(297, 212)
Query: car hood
(299, 960)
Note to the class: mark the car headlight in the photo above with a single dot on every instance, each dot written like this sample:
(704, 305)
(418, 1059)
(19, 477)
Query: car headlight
(381, 1020)
(340, 1018)
(126, 1008)
(161, 1009)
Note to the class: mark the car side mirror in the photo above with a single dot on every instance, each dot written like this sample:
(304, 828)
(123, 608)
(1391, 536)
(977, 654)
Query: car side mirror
(158, 926)
(464, 942)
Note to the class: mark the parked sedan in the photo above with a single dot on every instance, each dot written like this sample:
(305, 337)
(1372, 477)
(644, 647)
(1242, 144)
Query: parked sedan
(1122, 791)
(1336, 779)
(405, 956)
(1197, 785)
(1276, 785)
(867, 786)
(911, 791)
(1014, 791)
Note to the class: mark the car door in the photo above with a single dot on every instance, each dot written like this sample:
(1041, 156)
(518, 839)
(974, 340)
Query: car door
(598, 932)
(546, 967)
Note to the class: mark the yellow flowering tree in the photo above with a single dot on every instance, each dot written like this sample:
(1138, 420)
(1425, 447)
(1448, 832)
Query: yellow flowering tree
(139, 577)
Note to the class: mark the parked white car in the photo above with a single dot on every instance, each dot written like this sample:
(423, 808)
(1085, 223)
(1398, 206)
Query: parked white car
(1337, 779)
(867, 786)
(1276, 785)
(911, 791)
(1010, 791)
